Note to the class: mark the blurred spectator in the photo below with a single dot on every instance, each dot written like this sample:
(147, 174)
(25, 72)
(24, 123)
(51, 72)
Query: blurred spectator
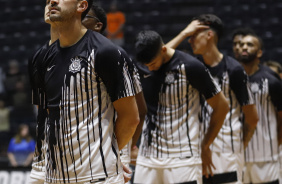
(13, 76)
(21, 147)
(4, 117)
(275, 66)
(20, 94)
(2, 78)
(116, 21)
(4, 127)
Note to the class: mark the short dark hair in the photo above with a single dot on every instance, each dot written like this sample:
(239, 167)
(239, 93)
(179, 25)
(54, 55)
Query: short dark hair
(100, 14)
(242, 31)
(147, 45)
(212, 21)
(90, 2)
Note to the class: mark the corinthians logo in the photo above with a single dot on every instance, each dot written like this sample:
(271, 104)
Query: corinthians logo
(169, 79)
(75, 65)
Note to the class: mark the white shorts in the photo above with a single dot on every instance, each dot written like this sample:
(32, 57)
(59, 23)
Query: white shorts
(261, 172)
(36, 177)
(118, 179)
(229, 168)
(191, 174)
(280, 163)
(36, 181)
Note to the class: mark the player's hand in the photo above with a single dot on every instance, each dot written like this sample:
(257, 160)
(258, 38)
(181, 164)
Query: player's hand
(193, 27)
(207, 164)
(126, 174)
(134, 154)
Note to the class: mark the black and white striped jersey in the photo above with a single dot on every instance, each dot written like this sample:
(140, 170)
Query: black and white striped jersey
(38, 98)
(125, 153)
(81, 82)
(171, 128)
(267, 91)
(233, 81)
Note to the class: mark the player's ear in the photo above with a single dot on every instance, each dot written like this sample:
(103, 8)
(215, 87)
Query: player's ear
(164, 49)
(98, 26)
(259, 53)
(210, 34)
(82, 6)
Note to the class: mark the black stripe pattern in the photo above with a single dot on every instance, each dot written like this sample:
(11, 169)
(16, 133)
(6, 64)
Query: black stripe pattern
(80, 142)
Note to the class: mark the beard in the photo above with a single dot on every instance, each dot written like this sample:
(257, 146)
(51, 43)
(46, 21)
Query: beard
(62, 16)
(247, 58)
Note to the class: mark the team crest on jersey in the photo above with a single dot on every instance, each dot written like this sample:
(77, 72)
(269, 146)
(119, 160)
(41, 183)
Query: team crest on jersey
(75, 65)
(169, 79)
(254, 87)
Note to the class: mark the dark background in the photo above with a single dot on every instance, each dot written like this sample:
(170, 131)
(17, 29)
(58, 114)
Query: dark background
(23, 30)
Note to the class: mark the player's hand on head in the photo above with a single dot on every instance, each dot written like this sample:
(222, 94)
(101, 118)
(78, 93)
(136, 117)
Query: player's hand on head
(193, 27)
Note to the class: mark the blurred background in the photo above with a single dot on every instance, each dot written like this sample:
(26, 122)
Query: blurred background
(23, 31)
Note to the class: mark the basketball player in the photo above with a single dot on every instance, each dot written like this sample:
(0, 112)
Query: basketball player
(37, 174)
(262, 165)
(96, 20)
(172, 82)
(86, 80)
(237, 36)
(228, 147)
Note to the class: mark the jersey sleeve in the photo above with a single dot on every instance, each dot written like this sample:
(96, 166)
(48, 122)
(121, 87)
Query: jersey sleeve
(275, 90)
(201, 79)
(136, 78)
(32, 71)
(239, 84)
(112, 67)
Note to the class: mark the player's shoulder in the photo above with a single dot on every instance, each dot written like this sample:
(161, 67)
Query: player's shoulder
(98, 39)
(232, 63)
(268, 73)
(40, 51)
(187, 59)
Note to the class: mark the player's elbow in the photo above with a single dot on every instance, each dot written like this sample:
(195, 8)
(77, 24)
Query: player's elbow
(133, 121)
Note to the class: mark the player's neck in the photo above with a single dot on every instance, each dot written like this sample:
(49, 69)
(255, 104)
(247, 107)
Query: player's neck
(170, 52)
(212, 57)
(251, 67)
(54, 34)
(70, 32)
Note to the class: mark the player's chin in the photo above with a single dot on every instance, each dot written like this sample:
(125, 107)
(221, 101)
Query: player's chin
(48, 21)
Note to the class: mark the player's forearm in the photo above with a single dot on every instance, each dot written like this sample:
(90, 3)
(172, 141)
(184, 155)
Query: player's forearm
(124, 129)
(176, 40)
(216, 122)
(137, 133)
(248, 132)
(142, 108)
(251, 120)
(220, 108)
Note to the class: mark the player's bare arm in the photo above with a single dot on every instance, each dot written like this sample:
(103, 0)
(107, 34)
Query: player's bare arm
(127, 119)
(220, 108)
(251, 120)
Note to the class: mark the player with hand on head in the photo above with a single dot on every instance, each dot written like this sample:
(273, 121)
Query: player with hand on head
(228, 148)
